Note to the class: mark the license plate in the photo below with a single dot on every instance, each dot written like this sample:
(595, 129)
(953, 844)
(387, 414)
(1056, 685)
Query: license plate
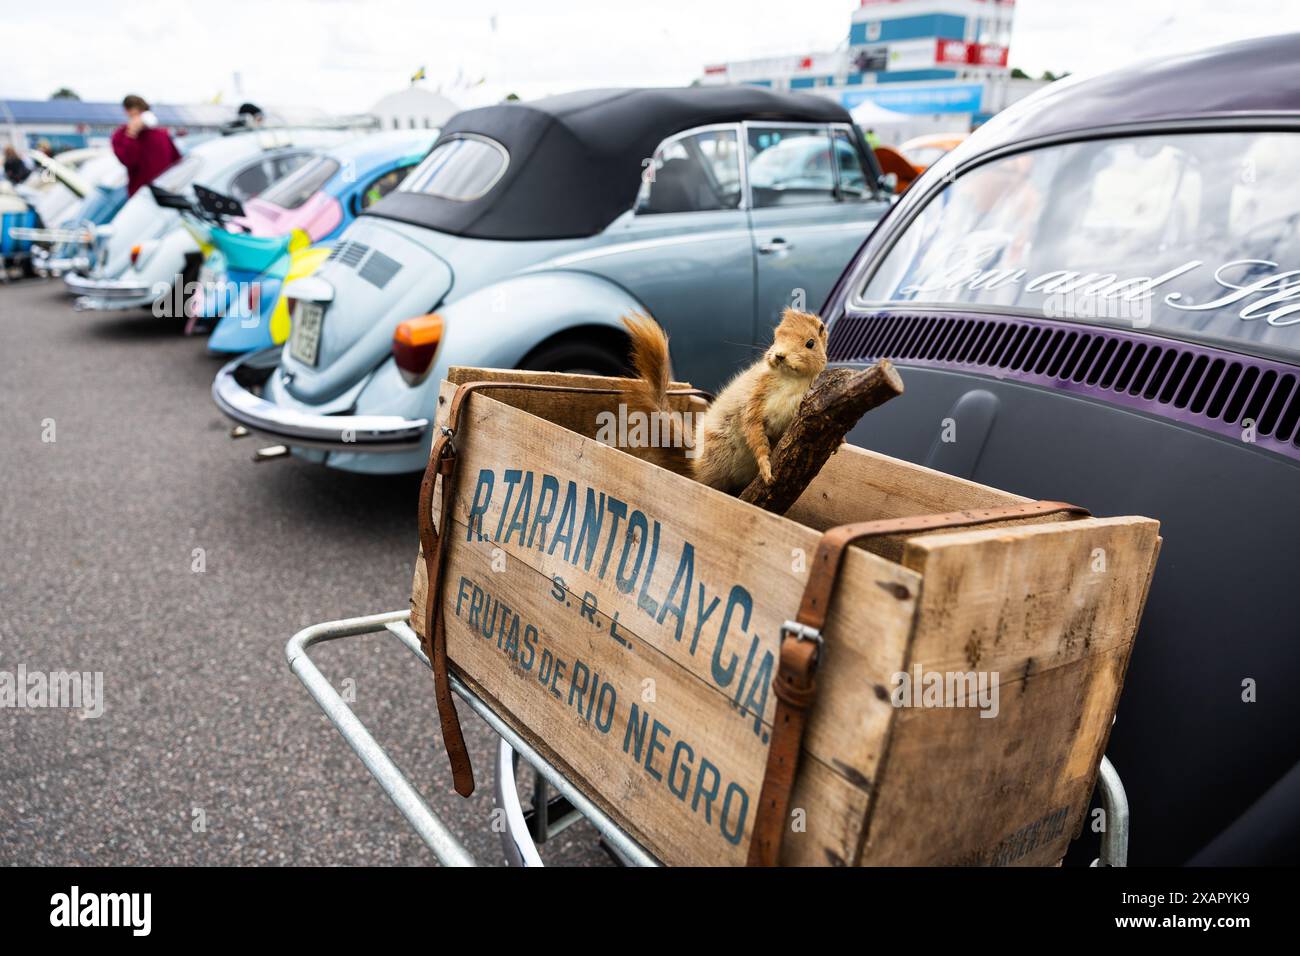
(304, 338)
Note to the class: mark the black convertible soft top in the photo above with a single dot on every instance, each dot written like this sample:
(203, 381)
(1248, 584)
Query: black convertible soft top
(576, 159)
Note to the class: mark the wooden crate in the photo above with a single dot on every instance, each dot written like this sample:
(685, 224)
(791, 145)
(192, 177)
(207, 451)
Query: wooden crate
(636, 652)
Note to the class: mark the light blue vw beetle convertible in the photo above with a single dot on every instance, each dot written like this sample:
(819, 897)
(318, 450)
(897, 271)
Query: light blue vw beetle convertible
(526, 233)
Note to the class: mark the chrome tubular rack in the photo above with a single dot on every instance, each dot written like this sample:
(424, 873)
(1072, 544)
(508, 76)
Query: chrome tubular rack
(518, 842)
(523, 830)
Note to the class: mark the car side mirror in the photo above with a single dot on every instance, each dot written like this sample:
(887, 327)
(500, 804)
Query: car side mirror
(889, 182)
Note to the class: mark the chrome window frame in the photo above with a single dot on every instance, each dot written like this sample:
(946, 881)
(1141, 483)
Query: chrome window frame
(741, 130)
(477, 137)
(742, 161)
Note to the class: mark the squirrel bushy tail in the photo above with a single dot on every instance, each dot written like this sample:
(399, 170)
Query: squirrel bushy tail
(648, 393)
(651, 363)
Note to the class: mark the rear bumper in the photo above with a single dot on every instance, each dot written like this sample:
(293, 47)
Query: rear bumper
(104, 294)
(105, 288)
(343, 433)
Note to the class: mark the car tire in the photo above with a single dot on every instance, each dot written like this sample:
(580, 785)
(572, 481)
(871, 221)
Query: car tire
(576, 357)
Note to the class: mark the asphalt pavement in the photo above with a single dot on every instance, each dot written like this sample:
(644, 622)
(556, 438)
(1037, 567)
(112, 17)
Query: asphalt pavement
(137, 540)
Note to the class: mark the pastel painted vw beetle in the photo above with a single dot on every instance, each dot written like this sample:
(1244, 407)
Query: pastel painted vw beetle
(1096, 298)
(272, 242)
(145, 247)
(530, 229)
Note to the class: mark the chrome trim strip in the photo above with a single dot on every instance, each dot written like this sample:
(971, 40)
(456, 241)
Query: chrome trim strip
(640, 245)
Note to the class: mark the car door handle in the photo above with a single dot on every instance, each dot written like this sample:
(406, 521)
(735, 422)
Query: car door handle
(774, 245)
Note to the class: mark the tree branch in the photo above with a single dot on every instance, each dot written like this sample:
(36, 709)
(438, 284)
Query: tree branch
(837, 400)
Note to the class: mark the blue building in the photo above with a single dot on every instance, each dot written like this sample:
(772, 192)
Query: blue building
(907, 67)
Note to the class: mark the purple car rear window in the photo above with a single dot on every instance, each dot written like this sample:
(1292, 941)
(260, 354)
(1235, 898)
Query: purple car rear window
(1193, 235)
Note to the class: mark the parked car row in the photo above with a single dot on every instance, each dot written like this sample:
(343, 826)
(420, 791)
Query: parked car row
(526, 233)
(518, 238)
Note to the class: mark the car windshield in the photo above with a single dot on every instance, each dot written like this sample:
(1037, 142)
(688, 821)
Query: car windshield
(462, 168)
(1193, 235)
(301, 184)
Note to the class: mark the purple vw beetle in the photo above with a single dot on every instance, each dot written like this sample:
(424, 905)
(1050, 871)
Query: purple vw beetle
(1096, 298)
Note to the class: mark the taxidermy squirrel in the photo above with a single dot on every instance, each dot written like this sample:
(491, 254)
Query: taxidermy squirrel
(734, 438)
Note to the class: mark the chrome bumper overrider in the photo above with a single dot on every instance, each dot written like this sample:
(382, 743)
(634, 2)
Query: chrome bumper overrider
(349, 433)
(47, 265)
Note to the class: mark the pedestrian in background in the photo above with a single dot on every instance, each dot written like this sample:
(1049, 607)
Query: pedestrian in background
(142, 146)
(15, 169)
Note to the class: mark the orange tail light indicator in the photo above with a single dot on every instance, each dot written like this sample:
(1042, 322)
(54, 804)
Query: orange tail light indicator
(415, 342)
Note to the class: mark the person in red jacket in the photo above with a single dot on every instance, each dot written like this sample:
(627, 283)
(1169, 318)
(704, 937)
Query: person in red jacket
(142, 146)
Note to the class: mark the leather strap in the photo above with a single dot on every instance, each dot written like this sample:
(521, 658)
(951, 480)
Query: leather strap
(442, 463)
(795, 684)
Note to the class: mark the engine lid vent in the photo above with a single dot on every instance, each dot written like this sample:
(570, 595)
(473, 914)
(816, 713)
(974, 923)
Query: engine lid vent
(379, 269)
(1235, 395)
(348, 253)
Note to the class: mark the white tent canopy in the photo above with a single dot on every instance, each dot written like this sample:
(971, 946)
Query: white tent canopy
(868, 114)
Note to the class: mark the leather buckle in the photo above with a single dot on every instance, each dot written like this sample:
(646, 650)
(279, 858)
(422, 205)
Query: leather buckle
(802, 632)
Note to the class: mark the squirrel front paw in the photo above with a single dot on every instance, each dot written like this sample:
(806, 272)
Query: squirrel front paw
(765, 470)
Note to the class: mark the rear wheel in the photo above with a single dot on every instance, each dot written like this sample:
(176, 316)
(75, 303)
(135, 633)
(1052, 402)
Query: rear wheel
(577, 356)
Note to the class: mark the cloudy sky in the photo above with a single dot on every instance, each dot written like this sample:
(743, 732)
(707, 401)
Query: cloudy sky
(342, 55)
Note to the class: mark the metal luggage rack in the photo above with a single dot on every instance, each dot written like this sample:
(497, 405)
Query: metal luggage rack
(548, 815)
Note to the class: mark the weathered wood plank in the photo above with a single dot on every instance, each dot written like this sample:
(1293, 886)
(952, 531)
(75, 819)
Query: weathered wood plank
(1049, 611)
(575, 411)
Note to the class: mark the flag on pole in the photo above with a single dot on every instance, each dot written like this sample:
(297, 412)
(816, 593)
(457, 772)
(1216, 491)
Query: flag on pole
(417, 75)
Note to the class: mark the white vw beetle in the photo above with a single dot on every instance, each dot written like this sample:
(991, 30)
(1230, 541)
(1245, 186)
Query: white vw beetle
(146, 246)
